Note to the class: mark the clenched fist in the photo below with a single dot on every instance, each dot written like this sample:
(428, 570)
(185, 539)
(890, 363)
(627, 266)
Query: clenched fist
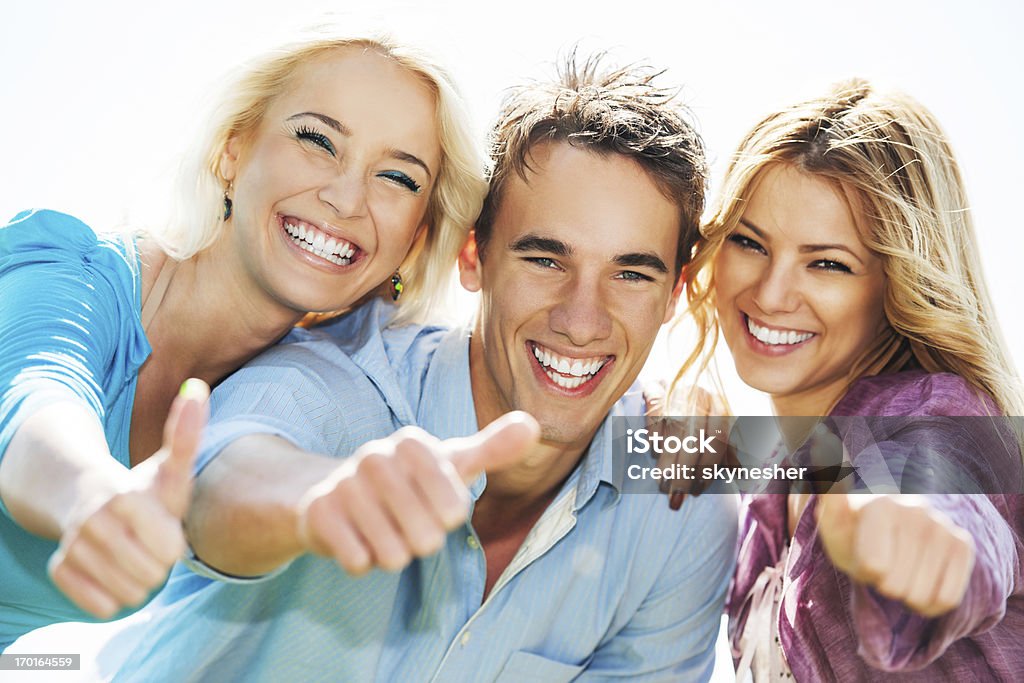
(397, 498)
(899, 545)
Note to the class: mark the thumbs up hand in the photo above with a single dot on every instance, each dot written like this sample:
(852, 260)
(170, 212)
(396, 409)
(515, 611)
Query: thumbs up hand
(899, 545)
(119, 546)
(397, 498)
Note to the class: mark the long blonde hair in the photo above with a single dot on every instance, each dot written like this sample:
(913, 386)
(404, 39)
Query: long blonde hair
(454, 203)
(891, 157)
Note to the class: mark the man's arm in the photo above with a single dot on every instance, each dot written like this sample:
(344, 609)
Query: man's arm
(263, 501)
(244, 513)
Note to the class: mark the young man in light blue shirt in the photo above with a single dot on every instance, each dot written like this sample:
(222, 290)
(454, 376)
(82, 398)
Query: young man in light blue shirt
(542, 570)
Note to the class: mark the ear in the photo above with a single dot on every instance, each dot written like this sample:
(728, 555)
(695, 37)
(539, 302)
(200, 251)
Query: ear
(229, 158)
(470, 274)
(673, 301)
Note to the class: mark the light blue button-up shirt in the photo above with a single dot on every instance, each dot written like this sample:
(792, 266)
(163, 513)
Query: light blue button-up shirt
(605, 586)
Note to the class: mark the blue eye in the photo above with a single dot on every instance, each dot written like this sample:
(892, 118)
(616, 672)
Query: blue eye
(542, 261)
(745, 242)
(401, 179)
(633, 276)
(315, 137)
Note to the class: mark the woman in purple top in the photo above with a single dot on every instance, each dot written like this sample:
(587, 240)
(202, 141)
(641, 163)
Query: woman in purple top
(841, 269)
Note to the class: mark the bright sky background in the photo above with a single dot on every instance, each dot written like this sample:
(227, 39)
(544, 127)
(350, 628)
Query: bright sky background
(100, 98)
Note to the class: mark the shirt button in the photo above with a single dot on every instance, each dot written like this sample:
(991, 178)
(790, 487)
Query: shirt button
(472, 542)
(464, 640)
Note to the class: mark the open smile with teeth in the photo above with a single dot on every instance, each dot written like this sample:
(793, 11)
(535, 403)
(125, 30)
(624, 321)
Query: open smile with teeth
(319, 243)
(774, 337)
(566, 372)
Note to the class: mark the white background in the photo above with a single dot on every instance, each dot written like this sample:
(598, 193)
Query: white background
(99, 98)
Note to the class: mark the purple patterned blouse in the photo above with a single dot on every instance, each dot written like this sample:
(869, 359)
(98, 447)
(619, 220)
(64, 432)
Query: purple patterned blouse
(833, 630)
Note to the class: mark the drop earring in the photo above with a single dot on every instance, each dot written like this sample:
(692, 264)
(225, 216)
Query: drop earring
(227, 202)
(396, 285)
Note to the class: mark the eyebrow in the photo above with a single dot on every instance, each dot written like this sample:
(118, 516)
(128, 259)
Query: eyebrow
(537, 243)
(324, 119)
(641, 260)
(337, 125)
(409, 158)
(804, 248)
(549, 245)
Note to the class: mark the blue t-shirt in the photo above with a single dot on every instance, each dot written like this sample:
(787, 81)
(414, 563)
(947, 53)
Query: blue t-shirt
(69, 329)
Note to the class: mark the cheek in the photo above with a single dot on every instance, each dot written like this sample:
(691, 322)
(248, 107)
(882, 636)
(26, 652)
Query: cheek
(397, 218)
(732, 274)
(854, 313)
(512, 301)
(638, 312)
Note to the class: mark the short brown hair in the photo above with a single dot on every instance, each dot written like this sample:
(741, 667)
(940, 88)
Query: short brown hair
(619, 111)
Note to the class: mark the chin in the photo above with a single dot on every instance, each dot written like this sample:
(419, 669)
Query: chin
(559, 434)
(568, 427)
(771, 383)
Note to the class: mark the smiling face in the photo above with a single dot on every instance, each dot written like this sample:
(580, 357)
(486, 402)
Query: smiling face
(330, 189)
(576, 281)
(799, 296)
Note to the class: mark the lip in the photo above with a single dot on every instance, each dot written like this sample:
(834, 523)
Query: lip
(582, 390)
(763, 349)
(312, 259)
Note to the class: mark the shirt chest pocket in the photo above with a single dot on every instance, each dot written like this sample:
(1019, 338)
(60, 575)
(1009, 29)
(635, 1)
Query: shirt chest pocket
(526, 666)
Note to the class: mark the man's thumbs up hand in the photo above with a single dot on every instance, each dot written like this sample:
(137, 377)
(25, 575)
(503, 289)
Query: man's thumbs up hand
(397, 498)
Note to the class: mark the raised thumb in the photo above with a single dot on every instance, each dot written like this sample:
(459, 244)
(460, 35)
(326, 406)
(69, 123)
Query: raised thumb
(182, 434)
(500, 444)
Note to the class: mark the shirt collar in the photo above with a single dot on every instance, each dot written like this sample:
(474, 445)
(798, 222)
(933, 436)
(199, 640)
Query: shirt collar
(598, 465)
(446, 407)
(448, 376)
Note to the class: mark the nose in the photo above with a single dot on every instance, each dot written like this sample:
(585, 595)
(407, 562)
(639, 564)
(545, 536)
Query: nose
(581, 313)
(346, 194)
(777, 289)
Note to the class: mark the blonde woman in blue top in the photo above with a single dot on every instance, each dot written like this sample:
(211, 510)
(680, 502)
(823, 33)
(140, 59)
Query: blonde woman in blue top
(335, 167)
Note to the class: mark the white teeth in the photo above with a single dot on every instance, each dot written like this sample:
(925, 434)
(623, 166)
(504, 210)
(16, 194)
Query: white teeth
(566, 382)
(328, 248)
(567, 372)
(776, 337)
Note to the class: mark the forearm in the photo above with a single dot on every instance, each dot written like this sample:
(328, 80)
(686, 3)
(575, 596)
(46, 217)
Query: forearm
(243, 517)
(56, 463)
